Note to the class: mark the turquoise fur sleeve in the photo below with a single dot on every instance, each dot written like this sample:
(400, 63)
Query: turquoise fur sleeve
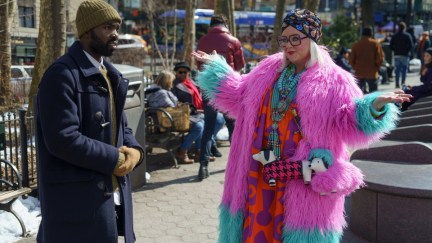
(366, 120)
(230, 226)
(213, 73)
(324, 154)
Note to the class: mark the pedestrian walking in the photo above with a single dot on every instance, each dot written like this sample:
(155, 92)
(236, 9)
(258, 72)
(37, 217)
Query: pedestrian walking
(293, 107)
(366, 58)
(220, 39)
(402, 45)
(85, 148)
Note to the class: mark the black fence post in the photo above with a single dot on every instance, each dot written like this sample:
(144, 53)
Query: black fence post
(23, 143)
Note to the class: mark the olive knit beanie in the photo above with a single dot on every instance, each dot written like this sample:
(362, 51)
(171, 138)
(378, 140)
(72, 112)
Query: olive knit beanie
(92, 13)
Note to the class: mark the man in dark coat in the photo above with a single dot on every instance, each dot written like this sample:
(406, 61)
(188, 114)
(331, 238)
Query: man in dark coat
(85, 148)
(402, 45)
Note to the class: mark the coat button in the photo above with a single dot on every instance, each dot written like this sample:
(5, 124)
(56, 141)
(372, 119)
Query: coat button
(101, 185)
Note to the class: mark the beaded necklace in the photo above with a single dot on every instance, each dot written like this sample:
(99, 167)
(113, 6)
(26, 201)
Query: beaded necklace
(284, 92)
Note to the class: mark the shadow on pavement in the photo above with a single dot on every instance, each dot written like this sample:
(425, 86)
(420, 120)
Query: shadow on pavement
(182, 180)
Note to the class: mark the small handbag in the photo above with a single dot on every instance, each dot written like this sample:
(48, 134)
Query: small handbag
(282, 170)
(180, 116)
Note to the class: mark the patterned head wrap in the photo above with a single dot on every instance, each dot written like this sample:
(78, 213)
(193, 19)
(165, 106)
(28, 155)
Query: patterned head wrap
(304, 21)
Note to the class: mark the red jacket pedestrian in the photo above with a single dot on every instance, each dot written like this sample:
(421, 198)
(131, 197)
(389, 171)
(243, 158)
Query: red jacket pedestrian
(220, 39)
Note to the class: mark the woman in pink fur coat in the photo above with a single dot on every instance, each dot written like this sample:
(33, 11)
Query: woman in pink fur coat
(299, 105)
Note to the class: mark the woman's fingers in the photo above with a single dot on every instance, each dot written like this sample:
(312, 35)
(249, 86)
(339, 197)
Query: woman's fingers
(202, 56)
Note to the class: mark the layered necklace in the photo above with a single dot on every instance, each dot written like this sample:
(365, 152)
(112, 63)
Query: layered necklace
(284, 92)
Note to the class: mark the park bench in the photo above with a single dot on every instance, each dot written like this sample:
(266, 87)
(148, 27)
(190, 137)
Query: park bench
(395, 204)
(11, 189)
(159, 136)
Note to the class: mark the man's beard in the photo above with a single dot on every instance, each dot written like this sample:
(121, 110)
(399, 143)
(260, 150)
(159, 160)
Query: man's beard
(99, 47)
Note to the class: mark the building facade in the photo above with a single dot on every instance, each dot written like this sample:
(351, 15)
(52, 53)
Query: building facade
(25, 28)
(24, 31)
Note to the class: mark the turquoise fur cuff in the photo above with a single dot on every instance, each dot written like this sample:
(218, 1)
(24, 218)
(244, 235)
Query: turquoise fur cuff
(366, 120)
(324, 154)
(230, 226)
(213, 73)
(302, 236)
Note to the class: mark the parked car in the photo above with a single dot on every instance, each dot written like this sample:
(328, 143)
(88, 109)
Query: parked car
(131, 41)
(21, 78)
(21, 72)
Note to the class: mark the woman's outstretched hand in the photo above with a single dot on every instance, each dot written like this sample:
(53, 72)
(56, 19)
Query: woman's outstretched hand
(398, 96)
(202, 56)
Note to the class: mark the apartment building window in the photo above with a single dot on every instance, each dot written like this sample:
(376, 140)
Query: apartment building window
(26, 17)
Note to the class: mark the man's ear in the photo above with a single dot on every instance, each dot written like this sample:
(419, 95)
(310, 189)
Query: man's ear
(85, 36)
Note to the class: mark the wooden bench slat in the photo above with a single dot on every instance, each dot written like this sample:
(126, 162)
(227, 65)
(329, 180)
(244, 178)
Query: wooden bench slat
(4, 196)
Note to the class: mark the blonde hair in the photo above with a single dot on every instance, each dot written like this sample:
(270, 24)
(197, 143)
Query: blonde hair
(315, 56)
(165, 79)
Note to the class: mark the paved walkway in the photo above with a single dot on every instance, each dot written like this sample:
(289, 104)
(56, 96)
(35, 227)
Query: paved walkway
(174, 207)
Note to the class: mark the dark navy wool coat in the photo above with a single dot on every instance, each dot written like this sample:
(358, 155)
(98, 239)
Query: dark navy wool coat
(75, 155)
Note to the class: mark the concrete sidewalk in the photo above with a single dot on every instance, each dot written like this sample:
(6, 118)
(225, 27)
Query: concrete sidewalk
(175, 207)
(412, 79)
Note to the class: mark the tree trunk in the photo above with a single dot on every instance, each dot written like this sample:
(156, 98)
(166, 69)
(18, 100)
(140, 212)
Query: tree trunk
(166, 57)
(226, 7)
(7, 10)
(312, 5)
(340, 5)
(367, 13)
(51, 40)
(189, 32)
(173, 53)
(280, 10)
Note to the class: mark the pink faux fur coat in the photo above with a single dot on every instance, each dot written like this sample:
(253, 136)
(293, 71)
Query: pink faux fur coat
(328, 101)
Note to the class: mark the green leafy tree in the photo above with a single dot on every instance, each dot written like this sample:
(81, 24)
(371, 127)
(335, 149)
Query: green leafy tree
(342, 33)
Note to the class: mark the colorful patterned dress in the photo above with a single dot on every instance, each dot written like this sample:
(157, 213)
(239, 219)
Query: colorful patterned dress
(264, 208)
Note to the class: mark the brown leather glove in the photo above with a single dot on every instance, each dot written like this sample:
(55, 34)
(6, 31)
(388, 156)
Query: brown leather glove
(132, 158)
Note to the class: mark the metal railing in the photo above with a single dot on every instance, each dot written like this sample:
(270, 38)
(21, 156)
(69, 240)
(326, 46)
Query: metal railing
(18, 146)
(18, 143)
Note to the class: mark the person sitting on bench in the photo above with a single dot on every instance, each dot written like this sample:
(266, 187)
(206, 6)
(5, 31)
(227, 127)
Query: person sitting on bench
(424, 89)
(160, 96)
